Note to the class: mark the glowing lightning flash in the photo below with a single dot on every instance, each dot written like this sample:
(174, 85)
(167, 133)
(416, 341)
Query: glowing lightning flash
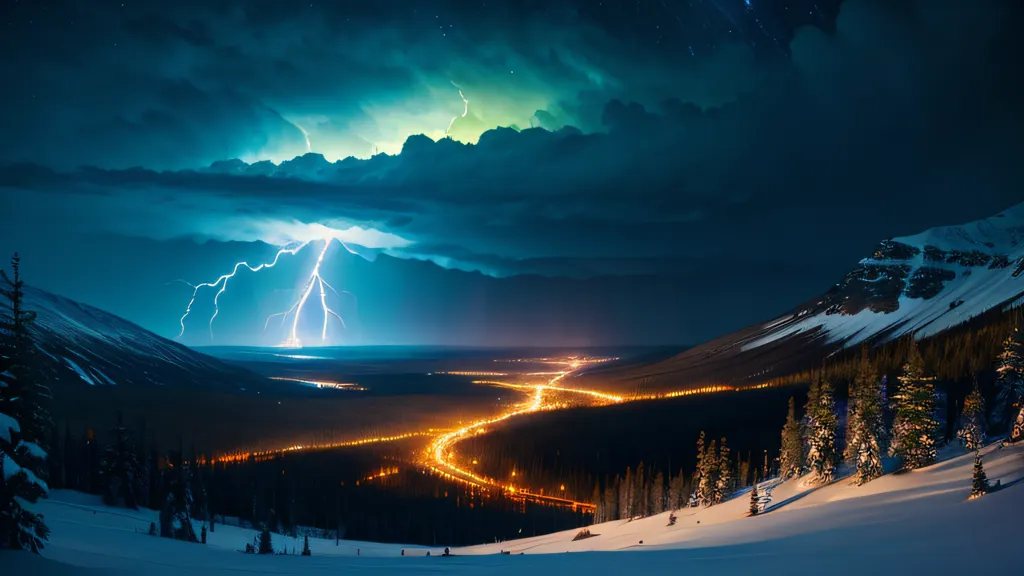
(465, 109)
(222, 282)
(315, 280)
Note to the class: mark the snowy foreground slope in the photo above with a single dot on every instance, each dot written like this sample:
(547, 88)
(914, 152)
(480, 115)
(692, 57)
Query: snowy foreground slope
(916, 523)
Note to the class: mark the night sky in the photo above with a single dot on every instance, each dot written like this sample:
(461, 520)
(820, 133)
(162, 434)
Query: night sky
(625, 172)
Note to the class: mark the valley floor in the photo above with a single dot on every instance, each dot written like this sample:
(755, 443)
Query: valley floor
(915, 523)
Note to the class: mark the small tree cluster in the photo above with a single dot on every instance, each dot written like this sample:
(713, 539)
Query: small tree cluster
(638, 494)
(713, 477)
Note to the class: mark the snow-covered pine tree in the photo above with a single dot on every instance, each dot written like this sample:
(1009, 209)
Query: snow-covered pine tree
(821, 439)
(724, 482)
(22, 459)
(1009, 380)
(708, 476)
(865, 423)
(120, 470)
(972, 421)
(979, 485)
(914, 427)
(754, 497)
(850, 452)
(791, 457)
(698, 471)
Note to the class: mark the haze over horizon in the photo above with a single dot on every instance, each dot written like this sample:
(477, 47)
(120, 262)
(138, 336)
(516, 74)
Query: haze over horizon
(693, 168)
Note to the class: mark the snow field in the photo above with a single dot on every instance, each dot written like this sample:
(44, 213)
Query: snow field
(914, 523)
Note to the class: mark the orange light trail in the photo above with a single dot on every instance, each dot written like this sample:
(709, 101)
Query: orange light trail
(439, 455)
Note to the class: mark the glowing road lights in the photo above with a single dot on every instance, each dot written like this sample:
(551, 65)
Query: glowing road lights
(315, 281)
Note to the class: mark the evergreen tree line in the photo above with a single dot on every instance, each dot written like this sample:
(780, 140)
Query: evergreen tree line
(639, 493)
(905, 426)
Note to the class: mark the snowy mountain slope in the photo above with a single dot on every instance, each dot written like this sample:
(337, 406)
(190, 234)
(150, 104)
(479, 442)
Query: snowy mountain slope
(915, 523)
(922, 284)
(82, 345)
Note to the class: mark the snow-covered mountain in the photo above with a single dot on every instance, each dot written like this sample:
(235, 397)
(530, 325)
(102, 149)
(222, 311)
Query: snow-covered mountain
(921, 284)
(82, 345)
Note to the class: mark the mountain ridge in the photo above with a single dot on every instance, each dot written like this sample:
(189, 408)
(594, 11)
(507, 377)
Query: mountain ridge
(86, 345)
(921, 284)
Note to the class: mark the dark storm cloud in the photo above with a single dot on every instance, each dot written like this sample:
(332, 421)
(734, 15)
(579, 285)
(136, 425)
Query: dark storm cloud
(901, 120)
(183, 84)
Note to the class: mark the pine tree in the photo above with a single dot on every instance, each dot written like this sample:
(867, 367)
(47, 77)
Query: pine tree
(22, 458)
(708, 476)
(698, 471)
(979, 487)
(1009, 380)
(791, 458)
(305, 546)
(821, 441)
(265, 545)
(914, 427)
(865, 423)
(120, 470)
(27, 396)
(599, 505)
(724, 482)
(972, 421)
(754, 497)
(176, 513)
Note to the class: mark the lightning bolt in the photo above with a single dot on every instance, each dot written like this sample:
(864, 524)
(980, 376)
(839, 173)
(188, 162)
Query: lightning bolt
(309, 146)
(222, 284)
(315, 281)
(465, 109)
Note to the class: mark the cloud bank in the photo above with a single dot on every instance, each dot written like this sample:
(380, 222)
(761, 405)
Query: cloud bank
(901, 120)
